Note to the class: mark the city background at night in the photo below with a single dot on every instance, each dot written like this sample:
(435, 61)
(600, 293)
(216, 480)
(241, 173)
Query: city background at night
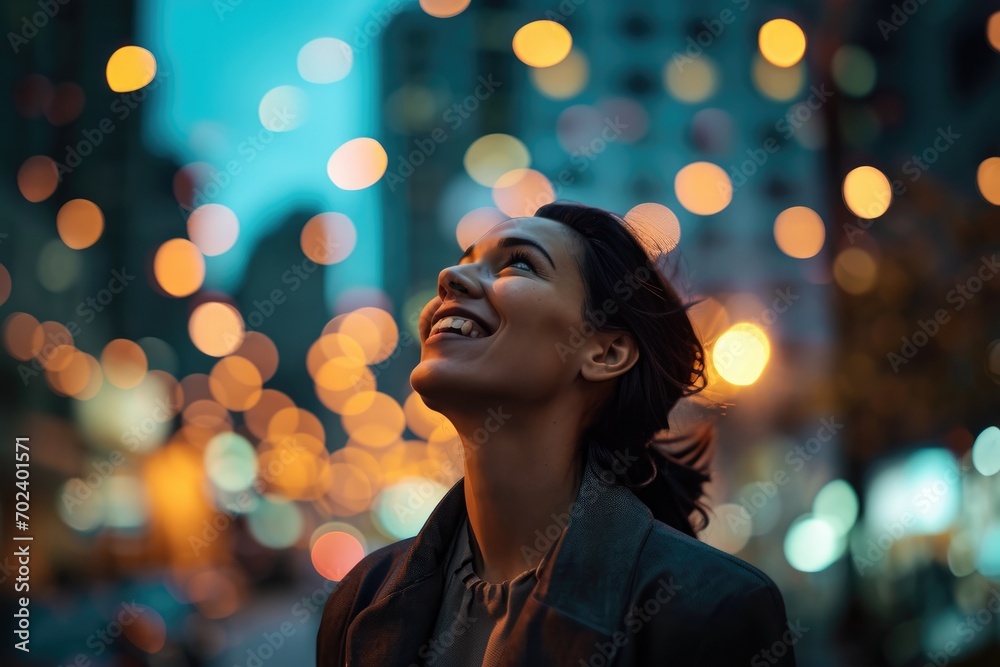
(221, 220)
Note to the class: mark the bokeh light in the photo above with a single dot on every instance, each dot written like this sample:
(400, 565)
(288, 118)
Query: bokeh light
(855, 270)
(80, 223)
(59, 267)
(276, 523)
(475, 223)
(703, 188)
(374, 419)
(867, 192)
(124, 363)
(130, 68)
(799, 232)
(357, 164)
(853, 70)
(986, 451)
(230, 462)
(335, 553)
(988, 180)
(283, 108)
(490, 157)
(216, 328)
(563, 80)
(443, 9)
(37, 178)
(542, 43)
(656, 226)
(325, 60)
(812, 544)
(328, 238)
(520, 192)
(777, 83)
(372, 328)
(837, 503)
(179, 267)
(5, 284)
(214, 228)
(782, 42)
(235, 383)
(691, 80)
(741, 353)
(398, 525)
(993, 30)
(261, 351)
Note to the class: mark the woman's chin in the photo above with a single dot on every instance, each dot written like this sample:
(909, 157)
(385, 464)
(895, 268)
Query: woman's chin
(438, 384)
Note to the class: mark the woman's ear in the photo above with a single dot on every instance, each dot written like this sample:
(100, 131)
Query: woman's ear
(610, 355)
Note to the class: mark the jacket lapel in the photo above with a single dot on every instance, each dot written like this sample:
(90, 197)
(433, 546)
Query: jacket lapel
(401, 618)
(583, 587)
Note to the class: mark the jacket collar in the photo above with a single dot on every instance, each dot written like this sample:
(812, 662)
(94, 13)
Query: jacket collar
(586, 577)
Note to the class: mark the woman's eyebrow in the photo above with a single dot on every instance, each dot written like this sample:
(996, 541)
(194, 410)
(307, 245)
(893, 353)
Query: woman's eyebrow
(508, 242)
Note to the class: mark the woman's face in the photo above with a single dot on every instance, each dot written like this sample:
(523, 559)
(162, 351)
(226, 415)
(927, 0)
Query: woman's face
(522, 282)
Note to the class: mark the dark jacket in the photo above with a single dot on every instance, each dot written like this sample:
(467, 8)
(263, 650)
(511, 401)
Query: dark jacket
(618, 584)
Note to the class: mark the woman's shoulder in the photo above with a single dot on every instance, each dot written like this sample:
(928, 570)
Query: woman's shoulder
(703, 606)
(672, 555)
(376, 568)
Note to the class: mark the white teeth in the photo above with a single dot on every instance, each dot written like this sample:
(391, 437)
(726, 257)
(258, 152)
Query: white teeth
(459, 325)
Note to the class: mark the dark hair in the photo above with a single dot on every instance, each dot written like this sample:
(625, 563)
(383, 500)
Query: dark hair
(670, 481)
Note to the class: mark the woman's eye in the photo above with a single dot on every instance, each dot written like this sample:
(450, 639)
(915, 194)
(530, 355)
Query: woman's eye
(519, 259)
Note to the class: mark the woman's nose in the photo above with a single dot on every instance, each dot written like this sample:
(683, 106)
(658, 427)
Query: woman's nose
(454, 280)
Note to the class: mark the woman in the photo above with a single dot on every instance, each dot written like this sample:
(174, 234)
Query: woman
(557, 350)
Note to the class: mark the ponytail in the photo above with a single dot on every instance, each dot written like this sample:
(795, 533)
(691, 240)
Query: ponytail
(670, 476)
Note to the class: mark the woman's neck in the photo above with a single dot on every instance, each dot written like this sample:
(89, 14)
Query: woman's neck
(520, 486)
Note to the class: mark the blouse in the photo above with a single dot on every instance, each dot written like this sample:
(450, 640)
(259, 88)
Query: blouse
(476, 617)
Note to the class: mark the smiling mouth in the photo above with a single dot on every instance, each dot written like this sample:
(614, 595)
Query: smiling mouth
(444, 334)
(457, 327)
